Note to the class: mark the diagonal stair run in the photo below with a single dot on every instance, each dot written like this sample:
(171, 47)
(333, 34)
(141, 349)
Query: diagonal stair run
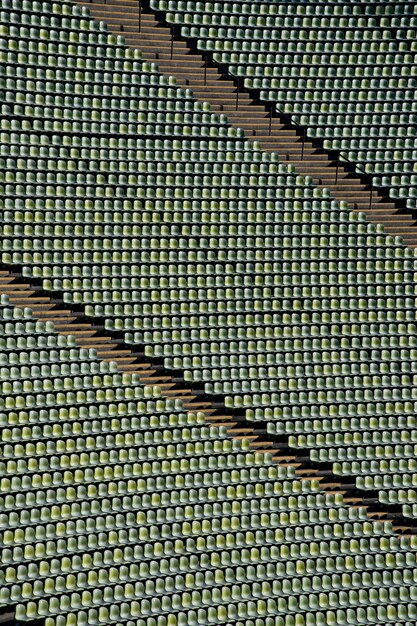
(145, 30)
(88, 333)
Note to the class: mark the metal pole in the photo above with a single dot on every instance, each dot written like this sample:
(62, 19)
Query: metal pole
(140, 17)
(270, 121)
(337, 168)
(237, 94)
(302, 148)
(172, 43)
(370, 199)
(205, 70)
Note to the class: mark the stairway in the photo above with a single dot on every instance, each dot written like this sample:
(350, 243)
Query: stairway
(87, 333)
(142, 30)
(93, 336)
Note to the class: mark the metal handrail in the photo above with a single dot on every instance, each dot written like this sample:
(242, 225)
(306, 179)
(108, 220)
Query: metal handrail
(301, 129)
(340, 157)
(357, 167)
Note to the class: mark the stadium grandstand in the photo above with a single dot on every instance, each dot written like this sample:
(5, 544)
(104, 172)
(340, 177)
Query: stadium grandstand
(208, 310)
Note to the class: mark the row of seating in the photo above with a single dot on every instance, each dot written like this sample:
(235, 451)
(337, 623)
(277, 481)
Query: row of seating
(291, 8)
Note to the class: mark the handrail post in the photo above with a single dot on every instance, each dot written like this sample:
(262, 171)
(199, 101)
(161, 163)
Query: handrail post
(140, 16)
(370, 199)
(205, 70)
(337, 168)
(302, 147)
(237, 94)
(270, 120)
(172, 43)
